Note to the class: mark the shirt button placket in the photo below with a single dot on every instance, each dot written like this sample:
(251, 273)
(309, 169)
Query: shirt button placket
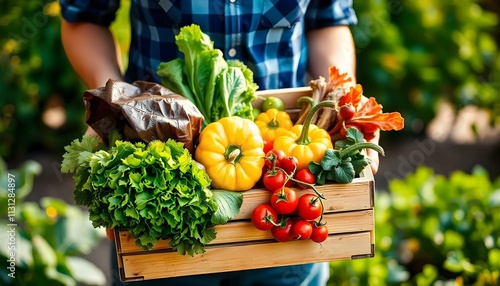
(233, 27)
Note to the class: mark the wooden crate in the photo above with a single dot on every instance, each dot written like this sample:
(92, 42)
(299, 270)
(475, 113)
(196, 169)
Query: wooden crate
(349, 211)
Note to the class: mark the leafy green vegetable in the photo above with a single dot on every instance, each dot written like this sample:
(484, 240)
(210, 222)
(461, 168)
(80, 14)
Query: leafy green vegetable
(219, 88)
(344, 162)
(155, 191)
(228, 203)
(78, 151)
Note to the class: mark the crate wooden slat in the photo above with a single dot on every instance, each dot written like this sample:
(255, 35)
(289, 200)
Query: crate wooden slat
(244, 231)
(238, 257)
(349, 211)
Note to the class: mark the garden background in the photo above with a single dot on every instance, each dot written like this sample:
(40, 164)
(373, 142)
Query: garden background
(438, 192)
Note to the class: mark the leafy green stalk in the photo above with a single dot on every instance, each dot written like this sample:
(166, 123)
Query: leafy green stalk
(192, 43)
(211, 65)
(231, 85)
(172, 76)
(217, 88)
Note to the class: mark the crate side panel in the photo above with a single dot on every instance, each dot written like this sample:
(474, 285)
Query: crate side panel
(244, 231)
(239, 257)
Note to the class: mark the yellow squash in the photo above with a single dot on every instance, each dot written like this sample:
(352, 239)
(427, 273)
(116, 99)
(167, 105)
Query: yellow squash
(231, 150)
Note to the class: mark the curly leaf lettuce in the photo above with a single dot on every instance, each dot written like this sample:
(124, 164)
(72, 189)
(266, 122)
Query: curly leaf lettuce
(155, 191)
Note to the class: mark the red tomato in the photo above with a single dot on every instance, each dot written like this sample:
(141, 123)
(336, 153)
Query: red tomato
(319, 233)
(305, 176)
(110, 233)
(289, 164)
(284, 200)
(347, 111)
(274, 155)
(309, 207)
(283, 233)
(264, 217)
(275, 181)
(302, 229)
(268, 145)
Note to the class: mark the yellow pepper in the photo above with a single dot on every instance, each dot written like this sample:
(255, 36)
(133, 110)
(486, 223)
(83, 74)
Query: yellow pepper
(231, 150)
(306, 142)
(273, 123)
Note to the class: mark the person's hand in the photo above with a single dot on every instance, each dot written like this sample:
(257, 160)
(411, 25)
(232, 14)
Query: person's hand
(91, 132)
(110, 234)
(372, 154)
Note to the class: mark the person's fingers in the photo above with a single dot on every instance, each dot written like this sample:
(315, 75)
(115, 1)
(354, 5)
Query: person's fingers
(372, 154)
(92, 132)
(110, 233)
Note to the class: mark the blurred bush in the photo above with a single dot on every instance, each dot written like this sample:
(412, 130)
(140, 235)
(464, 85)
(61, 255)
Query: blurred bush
(45, 241)
(41, 104)
(413, 54)
(432, 230)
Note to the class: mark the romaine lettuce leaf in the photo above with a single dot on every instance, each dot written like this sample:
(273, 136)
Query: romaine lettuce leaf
(217, 87)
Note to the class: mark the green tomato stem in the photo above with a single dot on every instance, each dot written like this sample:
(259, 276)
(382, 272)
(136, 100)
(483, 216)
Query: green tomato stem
(273, 124)
(361, 145)
(233, 154)
(304, 135)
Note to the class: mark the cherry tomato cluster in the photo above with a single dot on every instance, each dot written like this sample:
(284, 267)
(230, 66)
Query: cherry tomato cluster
(281, 170)
(289, 215)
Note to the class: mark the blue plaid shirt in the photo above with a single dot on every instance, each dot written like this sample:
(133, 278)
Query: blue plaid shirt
(267, 35)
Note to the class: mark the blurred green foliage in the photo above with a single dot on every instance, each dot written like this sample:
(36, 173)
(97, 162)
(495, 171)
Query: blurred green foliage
(45, 241)
(36, 79)
(413, 54)
(432, 230)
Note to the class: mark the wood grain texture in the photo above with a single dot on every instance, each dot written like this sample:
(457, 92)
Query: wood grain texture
(248, 256)
(244, 231)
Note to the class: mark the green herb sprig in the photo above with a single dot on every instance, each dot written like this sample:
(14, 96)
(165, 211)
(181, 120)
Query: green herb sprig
(345, 161)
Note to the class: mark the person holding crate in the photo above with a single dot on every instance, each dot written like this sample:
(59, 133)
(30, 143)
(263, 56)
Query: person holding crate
(283, 42)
